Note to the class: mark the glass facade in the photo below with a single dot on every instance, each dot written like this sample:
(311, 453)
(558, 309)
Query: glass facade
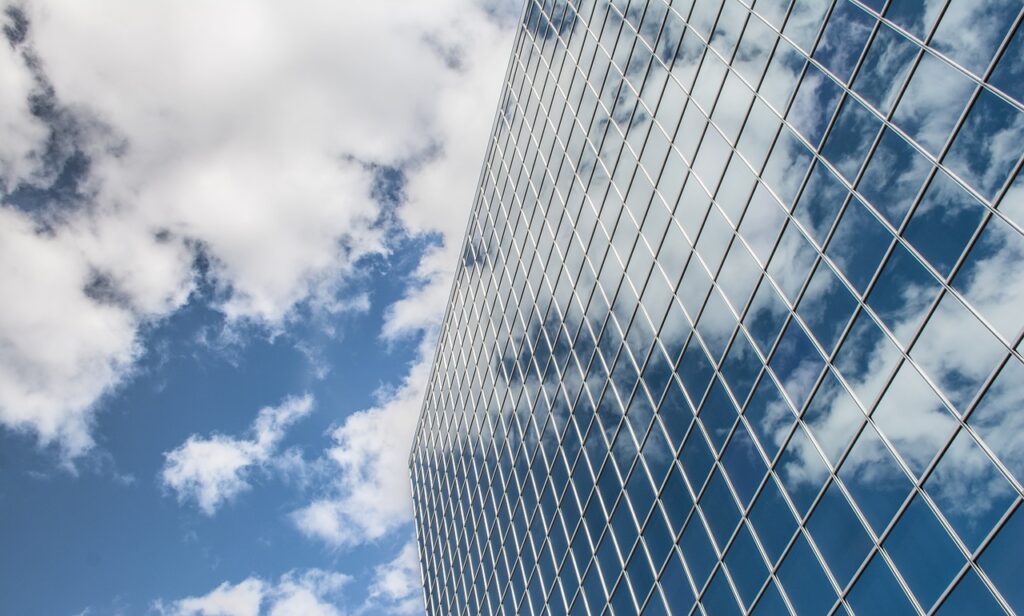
(737, 325)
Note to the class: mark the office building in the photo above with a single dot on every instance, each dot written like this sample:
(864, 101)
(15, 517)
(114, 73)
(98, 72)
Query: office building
(737, 325)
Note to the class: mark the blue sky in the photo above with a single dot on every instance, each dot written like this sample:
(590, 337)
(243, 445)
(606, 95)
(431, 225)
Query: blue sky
(226, 239)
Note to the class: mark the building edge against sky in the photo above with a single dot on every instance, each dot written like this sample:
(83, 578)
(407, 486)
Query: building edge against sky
(737, 326)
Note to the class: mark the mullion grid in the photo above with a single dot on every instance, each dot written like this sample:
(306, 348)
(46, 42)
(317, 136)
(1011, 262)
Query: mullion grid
(563, 562)
(925, 475)
(962, 419)
(783, 327)
(965, 252)
(448, 317)
(477, 519)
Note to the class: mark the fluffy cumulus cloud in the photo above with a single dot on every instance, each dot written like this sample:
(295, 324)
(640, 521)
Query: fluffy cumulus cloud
(236, 141)
(211, 471)
(398, 589)
(310, 593)
(370, 495)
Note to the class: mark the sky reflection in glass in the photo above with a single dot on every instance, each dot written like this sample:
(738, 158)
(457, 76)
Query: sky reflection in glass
(738, 324)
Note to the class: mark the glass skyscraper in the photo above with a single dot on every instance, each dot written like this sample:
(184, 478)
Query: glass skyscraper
(737, 325)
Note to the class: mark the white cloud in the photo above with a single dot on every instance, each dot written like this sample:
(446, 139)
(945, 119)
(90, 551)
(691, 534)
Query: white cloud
(213, 470)
(23, 132)
(242, 599)
(311, 593)
(370, 496)
(54, 365)
(239, 130)
(440, 191)
(398, 588)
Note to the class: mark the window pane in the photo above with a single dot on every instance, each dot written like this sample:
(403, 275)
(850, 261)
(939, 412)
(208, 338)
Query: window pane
(850, 138)
(932, 102)
(893, 177)
(977, 153)
(969, 490)
(1001, 560)
(878, 592)
(924, 553)
(844, 38)
(804, 580)
(839, 535)
(886, 65)
(971, 30)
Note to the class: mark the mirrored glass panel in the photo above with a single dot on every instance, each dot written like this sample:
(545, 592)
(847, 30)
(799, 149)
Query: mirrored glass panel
(736, 327)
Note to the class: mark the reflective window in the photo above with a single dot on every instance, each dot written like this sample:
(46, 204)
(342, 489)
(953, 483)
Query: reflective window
(969, 490)
(718, 598)
(796, 363)
(988, 280)
(893, 177)
(875, 479)
(1009, 72)
(839, 535)
(741, 367)
(833, 417)
(858, 245)
(977, 154)
(944, 222)
(700, 557)
(951, 329)
(851, 137)
(744, 465)
(737, 320)
(971, 30)
(815, 101)
(804, 21)
(878, 592)
(932, 103)
(771, 602)
(772, 520)
(792, 261)
(783, 71)
(925, 554)
(820, 202)
(765, 316)
(806, 584)
(789, 160)
(733, 104)
(802, 471)
(826, 307)
(971, 596)
(762, 223)
(887, 63)
(996, 420)
(913, 418)
(903, 293)
(769, 416)
(844, 39)
(1001, 560)
(746, 567)
(738, 276)
(754, 50)
(916, 16)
